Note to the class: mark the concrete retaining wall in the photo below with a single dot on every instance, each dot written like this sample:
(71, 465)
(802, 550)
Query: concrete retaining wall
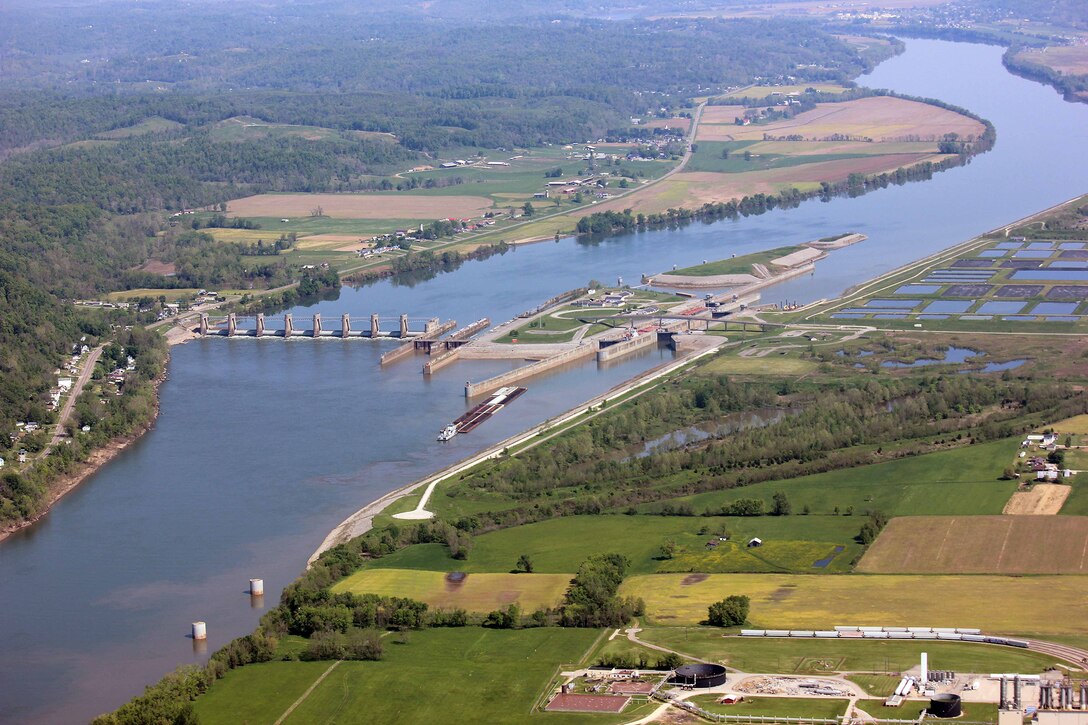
(485, 386)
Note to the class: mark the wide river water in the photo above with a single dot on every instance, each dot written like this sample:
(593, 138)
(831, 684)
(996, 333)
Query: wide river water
(263, 447)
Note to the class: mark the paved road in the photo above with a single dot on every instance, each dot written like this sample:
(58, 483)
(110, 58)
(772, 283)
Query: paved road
(77, 388)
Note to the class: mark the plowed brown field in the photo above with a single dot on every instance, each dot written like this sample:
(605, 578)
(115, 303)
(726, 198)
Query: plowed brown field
(980, 545)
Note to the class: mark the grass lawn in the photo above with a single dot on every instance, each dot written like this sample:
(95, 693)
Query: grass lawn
(560, 545)
(257, 693)
(814, 656)
(876, 685)
(788, 601)
(959, 482)
(476, 593)
(817, 707)
(972, 711)
(1077, 503)
(464, 675)
(735, 265)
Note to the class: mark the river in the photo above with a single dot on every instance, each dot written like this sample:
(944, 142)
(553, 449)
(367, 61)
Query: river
(262, 447)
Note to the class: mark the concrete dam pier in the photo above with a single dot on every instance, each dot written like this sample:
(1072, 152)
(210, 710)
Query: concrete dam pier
(233, 325)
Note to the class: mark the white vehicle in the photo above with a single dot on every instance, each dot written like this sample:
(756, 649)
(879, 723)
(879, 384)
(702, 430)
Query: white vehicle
(447, 433)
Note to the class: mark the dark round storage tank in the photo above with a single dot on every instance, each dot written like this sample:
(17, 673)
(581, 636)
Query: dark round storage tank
(699, 675)
(945, 705)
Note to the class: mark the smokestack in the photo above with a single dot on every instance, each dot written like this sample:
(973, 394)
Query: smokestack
(923, 676)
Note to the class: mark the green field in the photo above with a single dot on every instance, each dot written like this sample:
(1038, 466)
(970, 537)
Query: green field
(963, 481)
(463, 675)
(154, 124)
(765, 91)
(876, 685)
(708, 157)
(814, 656)
(817, 707)
(772, 364)
(735, 265)
(792, 543)
(998, 604)
(477, 593)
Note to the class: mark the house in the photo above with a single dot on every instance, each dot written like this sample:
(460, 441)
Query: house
(22, 455)
(754, 542)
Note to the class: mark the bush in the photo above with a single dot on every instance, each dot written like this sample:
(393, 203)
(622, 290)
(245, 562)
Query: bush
(729, 612)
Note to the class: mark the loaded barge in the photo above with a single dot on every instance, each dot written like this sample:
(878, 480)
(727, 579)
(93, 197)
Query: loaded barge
(477, 415)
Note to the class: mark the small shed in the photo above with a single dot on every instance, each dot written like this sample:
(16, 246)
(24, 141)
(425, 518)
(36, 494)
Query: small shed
(754, 542)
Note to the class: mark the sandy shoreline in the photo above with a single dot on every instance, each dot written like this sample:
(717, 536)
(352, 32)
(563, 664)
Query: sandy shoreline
(98, 458)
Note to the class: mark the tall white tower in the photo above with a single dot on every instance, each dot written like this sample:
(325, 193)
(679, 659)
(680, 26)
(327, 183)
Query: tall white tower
(923, 675)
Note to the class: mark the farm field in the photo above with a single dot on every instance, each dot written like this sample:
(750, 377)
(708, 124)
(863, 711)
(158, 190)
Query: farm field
(361, 206)
(475, 593)
(765, 91)
(810, 656)
(964, 481)
(790, 601)
(880, 118)
(459, 675)
(980, 545)
(1067, 59)
(885, 133)
(560, 545)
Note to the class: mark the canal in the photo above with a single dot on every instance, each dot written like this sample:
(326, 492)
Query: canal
(262, 447)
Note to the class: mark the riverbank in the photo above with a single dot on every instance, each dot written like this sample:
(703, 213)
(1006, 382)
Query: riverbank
(362, 520)
(99, 457)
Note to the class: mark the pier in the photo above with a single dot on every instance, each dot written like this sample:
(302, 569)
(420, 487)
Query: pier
(284, 327)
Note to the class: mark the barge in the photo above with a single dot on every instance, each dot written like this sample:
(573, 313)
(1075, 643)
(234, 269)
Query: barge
(478, 414)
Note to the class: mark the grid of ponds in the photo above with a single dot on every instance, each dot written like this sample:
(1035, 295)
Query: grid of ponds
(993, 284)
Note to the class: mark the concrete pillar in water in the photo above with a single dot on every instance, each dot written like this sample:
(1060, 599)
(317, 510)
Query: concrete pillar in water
(200, 630)
(256, 586)
(232, 325)
(317, 324)
(403, 326)
(374, 329)
(260, 324)
(431, 326)
(288, 325)
(203, 323)
(345, 325)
